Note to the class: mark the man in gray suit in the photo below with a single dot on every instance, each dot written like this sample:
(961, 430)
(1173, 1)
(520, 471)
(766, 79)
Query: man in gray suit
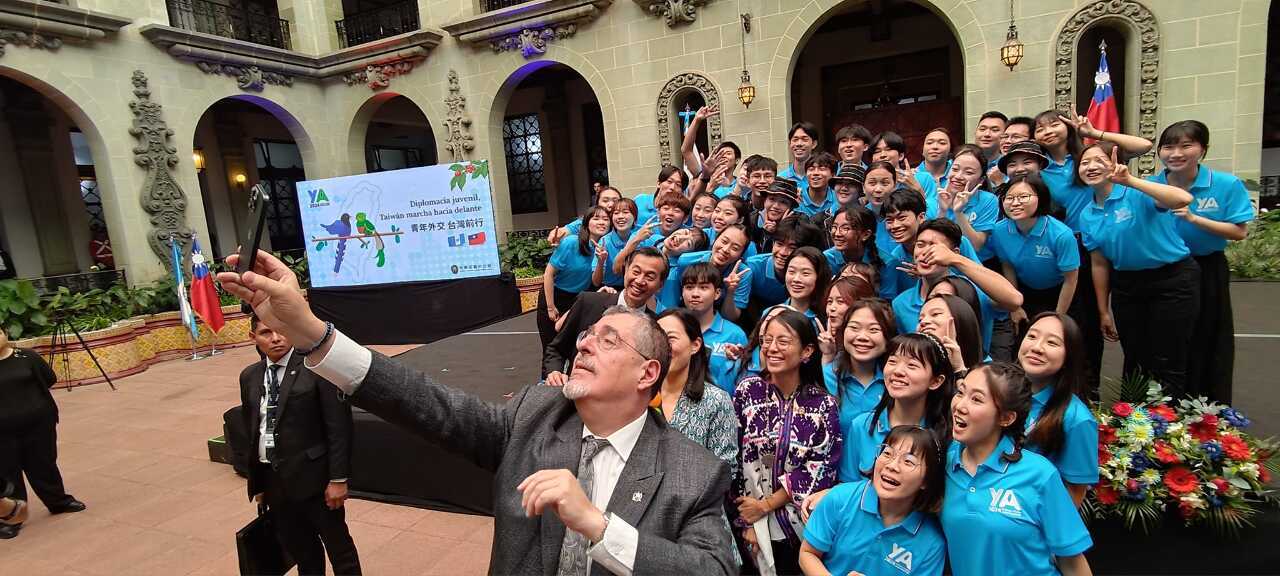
(587, 478)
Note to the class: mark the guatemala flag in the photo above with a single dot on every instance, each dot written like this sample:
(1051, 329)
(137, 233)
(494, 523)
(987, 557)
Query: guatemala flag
(1102, 109)
(204, 297)
(180, 286)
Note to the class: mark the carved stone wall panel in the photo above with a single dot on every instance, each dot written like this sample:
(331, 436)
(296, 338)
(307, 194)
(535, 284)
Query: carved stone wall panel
(249, 78)
(161, 195)
(675, 12)
(533, 41)
(28, 39)
(378, 76)
(1143, 24)
(458, 142)
(668, 136)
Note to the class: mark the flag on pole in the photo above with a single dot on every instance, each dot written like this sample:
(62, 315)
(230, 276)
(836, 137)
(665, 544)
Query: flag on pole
(204, 297)
(184, 308)
(1102, 109)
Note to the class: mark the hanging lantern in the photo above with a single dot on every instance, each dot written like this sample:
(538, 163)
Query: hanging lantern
(746, 91)
(1011, 52)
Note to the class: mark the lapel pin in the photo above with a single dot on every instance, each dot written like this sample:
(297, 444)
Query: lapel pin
(636, 497)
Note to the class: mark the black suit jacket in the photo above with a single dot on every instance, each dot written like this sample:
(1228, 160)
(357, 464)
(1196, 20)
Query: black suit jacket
(313, 432)
(587, 308)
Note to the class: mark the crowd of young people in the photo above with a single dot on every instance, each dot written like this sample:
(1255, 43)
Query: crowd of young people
(897, 361)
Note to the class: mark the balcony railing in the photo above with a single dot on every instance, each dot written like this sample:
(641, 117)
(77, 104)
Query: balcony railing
(220, 20)
(491, 5)
(377, 24)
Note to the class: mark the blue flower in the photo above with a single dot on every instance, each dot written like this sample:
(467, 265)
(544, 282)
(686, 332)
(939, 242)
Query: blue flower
(1213, 450)
(1159, 425)
(1137, 495)
(1139, 462)
(1214, 501)
(1234, 418)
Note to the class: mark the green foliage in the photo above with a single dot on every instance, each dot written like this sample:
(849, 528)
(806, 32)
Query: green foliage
(1258, 255)
(526, 256)
(20, 309)
(298, 263)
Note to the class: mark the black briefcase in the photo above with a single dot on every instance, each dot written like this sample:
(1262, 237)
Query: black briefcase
(260, 551)
(237, 439)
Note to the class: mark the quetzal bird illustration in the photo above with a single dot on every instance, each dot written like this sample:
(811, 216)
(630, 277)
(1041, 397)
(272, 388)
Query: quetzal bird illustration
(364, 226)
(340, 228)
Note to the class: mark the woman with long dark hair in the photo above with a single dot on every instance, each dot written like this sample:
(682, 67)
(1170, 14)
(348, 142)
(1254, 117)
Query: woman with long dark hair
(1143, 272)
(806, 281)
(952, 321)
(853, 238)
(623, 218)
(855, 375)
(1221, 211)
(1060, 426)
(1006, 510)
(698, 410)
(790, 440)
(1037, 252)
(569, 271)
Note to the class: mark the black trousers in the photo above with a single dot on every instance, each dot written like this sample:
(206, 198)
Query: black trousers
(1084, 310)
(1155, 312)
(547, 326)
(33, 451)
(303, 525)
(1213, 346)
(1004, 341)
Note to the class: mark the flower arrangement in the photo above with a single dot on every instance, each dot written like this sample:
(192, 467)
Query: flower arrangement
(1192, 457)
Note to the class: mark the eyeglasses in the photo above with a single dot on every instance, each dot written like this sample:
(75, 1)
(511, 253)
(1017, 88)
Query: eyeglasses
(767, 342)
(908, 460)
(842, 229)
(1019, 199)
(608, 339)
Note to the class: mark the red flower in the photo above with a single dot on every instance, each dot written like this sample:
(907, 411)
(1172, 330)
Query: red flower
(1221, 484)
(1186, 510)
(1122, 409)
(1106, 495)
(1263, 476)
(1164, 412)
(1131, 485)
(1106, 434)
(1235, 448)
(1104, 455)
(1180, 480)
(471, 168)
(1165, 453)
(1206, 429)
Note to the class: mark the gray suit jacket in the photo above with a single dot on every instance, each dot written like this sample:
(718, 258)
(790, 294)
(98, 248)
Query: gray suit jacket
(681, 485)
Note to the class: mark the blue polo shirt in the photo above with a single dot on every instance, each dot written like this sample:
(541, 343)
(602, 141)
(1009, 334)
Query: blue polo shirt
(983, 210)
(907, 306)
(1077, 458)
(855, 398)
(862, 444)
(1215, 195)
(1040, 257)
(809, 208)
(721, 333)
(801, 180)
(846, 527)
(766, 287)
(747, 252)
(835, 258)
(613, 244)
(1010, 517)
(1060, 178)
(645, 209)
(573, 269)
(922, 172)
(883, 241)
(1132, 231)
(726, 189)
(741, 296)
(573, 227)
(894, 282)
(930, 189)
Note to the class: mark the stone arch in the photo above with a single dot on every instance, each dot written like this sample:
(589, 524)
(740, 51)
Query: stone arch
(509, 70)
(299, 133)
(960, 19)
(357, 133)
(1143, 26)
(678, 86)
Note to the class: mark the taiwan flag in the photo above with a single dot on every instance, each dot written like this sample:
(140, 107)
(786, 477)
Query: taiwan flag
(204, 297)
(1102, 109)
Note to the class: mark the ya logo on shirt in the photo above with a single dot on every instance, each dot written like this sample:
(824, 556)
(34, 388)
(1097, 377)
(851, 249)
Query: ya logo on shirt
(899, 558)
(1123, 214)
(1206, 205)
(1043, 251)
(1005, 502)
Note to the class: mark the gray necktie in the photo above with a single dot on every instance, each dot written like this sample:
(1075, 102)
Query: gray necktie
(573, 551)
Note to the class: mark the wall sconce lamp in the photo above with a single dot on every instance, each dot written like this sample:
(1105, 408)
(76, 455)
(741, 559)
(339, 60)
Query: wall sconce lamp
(197, 157)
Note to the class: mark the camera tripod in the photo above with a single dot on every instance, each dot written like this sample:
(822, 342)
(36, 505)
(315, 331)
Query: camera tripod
(60, 345)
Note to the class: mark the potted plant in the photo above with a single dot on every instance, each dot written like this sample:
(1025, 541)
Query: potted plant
(526, 257)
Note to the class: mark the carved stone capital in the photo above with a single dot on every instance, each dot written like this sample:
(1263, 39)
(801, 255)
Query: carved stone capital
(378, 76)
(458, 140)
(681, 84)
(249, 78)
(533, 41)
(1142, 24)
(675, 12)
(162, 197)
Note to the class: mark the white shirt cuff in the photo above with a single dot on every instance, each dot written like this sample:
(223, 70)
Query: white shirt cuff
(346, 364)
(616, 551)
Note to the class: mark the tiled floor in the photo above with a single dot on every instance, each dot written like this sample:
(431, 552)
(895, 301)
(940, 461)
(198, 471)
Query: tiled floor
(138, 458)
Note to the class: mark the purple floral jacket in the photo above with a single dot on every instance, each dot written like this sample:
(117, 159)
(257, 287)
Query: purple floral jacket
(813, 446)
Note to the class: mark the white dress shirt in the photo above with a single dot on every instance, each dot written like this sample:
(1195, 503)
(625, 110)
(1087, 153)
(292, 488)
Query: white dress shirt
(347, 363)
(280, 367)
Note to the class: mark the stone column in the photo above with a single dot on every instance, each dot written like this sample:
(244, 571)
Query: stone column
(15, 212)
(66, 177)
(311, 27)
